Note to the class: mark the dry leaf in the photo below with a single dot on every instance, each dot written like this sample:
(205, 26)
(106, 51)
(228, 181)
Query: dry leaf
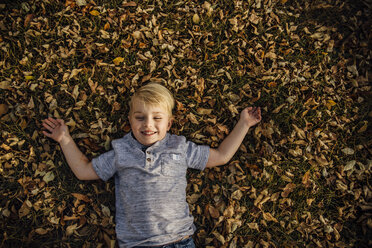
(269, 217)
(81, 197)
(348, 151)
(49, 176)
(213, 212)
(130, 4)
(94, 13)
(3, 109)
(118, 60)
(195, 18)
(288, 189)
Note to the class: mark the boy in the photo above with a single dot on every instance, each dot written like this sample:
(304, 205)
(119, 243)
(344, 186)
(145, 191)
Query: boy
(149, 166)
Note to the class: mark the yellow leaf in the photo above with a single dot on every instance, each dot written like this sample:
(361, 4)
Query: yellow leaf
(330, 104)
(118, 60)
(94, 12)
(4, 85)
(29, 77)
(195, 18)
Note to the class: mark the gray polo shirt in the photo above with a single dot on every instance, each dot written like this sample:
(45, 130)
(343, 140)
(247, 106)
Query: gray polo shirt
(150, 188)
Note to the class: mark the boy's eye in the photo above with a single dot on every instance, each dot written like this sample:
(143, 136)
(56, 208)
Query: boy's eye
(157, 118)
(140, 118)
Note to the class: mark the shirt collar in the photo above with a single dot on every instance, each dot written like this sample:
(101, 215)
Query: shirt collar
(136, 144)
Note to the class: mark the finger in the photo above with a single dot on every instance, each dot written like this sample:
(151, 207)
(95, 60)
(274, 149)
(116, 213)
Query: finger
(60, 121)
(48, 127)
(54, 121)
(50, 123)
(259, 113)
(254, 109)
(47, 134)
(250, 110)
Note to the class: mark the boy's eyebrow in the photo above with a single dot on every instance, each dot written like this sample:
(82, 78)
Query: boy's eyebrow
(139, 112)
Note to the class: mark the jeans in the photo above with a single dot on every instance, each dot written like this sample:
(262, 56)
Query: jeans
(185, 243)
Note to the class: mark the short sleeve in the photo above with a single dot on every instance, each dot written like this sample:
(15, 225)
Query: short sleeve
(104, 165)
(196, 155)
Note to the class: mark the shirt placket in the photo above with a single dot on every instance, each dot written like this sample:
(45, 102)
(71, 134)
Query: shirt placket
(149, 158)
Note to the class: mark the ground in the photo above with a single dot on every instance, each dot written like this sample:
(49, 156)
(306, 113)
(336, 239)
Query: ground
(302, 177)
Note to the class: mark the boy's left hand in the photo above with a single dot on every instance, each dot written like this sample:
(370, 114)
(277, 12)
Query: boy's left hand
(251, 116)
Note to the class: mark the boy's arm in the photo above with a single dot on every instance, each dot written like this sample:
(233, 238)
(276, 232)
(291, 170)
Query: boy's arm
(222, 155)
(78, 162)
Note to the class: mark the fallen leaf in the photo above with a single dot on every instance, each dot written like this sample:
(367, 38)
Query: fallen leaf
(269, 217)
(195, 18)
(94, 13)
(288, 189)
(48, 177)
(81, 197)
(130, 4)
(118, 60)
(348, 151)
(41, 231)
(3, 109)
(213, 212)
(70, 229)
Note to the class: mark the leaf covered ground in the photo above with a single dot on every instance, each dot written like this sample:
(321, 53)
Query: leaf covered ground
(302, 177)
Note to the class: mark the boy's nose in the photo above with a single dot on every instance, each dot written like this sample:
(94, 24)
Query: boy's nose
(148, 123)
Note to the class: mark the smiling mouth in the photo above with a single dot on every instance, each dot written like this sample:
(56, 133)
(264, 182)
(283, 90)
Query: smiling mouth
(148, 133)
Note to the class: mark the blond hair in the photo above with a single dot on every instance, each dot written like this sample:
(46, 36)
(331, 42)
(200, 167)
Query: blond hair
(154, 94)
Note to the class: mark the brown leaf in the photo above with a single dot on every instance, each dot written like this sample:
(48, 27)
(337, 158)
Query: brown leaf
(229, 211)
(269, 217)
(130, 4)
(3, 109)
(237, 195)
(25, 209)
(213, 212)
(306, 179)
(192, 118)
(41, 231)
(288, 189)
(28, 19)
(81, 197)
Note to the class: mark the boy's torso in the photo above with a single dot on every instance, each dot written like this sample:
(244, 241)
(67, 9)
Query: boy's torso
(151, 189)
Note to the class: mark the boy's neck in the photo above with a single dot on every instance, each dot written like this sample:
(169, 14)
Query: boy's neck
(143, 147)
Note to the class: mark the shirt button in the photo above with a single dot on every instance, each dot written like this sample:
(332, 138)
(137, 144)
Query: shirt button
(148, 160)
(148, 152)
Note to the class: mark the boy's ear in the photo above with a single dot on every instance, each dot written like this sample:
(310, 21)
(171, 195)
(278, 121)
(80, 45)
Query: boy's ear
(170, 122)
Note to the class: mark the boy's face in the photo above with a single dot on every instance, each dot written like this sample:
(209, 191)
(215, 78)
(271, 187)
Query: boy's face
(149, 123)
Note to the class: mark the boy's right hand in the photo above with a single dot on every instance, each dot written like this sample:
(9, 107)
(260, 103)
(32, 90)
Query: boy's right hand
(57, 128)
